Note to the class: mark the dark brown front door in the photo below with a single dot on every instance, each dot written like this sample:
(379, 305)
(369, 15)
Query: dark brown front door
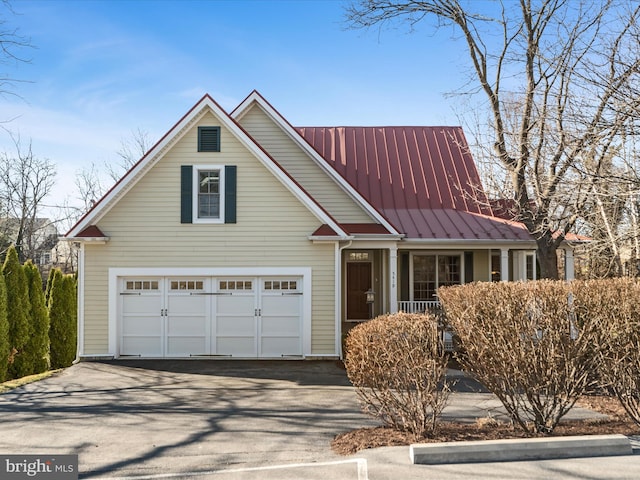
(358, 282)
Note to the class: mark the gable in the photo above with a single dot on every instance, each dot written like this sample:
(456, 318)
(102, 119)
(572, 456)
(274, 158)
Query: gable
(153, 207)
(186, 128)
(300, 166)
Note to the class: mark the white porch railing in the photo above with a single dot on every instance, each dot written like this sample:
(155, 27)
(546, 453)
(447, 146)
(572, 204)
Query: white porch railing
(418, 306)
(433, 306)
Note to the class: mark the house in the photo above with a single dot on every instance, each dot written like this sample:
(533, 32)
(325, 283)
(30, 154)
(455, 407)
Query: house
(238, 235)
(36, 238)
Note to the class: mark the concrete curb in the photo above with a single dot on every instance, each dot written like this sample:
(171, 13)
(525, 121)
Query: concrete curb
(520, 449)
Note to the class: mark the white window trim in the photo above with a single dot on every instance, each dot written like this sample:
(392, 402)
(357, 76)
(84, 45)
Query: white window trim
(196, 190)
(436, 254)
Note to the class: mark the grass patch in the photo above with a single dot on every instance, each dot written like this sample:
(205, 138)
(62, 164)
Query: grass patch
(18, 382)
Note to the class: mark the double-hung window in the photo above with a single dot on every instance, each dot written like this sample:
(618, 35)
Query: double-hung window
(208, 201)
(433, 271)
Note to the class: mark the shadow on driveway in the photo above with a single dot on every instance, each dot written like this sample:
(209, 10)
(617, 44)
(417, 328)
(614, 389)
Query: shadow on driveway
(153, 417)
(301, 372)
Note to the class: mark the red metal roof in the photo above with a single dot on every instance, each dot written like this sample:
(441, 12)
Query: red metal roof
(92, 231)
(423, 179)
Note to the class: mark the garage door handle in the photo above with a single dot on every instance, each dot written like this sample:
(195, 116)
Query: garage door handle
(130, 293)
(291, 293)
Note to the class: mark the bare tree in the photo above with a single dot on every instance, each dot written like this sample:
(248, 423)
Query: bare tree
(89, 187)
(25, 182)
(131, 150)
(12, 45)
(559, 79)
(91, 183)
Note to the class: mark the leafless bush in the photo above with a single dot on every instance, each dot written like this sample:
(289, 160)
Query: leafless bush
(521, 342)
(397, 365)
(615, 303)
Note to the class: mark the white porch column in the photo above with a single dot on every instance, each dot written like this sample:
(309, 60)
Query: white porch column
(504, 264)
(393, 279)
(569, 264)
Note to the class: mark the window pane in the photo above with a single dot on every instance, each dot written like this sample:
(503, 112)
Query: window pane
(529, 261)
(424, 277)
(209, 205)
(209, 181)
(448, 270)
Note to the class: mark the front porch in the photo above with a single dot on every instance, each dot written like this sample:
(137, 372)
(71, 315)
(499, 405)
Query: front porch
(385, 280)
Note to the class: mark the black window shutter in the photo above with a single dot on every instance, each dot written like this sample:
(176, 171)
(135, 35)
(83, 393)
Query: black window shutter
(208, 139)
(230, 182)
(186, 194)
(468, 267)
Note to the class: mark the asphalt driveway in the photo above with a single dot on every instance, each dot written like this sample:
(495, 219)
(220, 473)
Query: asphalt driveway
(217, 420)
(154, 417)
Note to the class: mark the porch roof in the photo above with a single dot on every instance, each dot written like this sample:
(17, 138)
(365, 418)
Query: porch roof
(452, 224)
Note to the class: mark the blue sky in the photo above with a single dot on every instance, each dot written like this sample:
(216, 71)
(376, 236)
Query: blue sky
(101, 69)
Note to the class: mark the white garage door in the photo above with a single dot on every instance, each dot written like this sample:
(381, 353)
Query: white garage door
(239, 317)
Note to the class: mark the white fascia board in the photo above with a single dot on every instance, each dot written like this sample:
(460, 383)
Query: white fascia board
(155, 154)
(93, 240)
(327, 238)
(321, 162)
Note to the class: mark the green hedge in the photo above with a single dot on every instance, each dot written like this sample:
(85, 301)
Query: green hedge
(30, 341)
(18, 307)
(63, 320)
(37, 347)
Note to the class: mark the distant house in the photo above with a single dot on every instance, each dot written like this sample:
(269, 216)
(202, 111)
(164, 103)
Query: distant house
(239, 235)
(36, 239)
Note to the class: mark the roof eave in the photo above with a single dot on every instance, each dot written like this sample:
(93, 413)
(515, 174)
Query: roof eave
(93, 240)
(368, 236)
(329, 238)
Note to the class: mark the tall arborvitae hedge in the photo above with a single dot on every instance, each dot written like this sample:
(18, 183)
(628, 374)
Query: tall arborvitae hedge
(47, 292)
(4, 332)
(38, 345)
(17, 314)
(63, 320)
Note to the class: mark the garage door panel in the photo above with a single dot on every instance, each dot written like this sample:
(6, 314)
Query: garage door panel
(281, 305)
(144, 346)
(144, 304)
(144, 326)
(236, 326)
(236, 346)
(281, 326)
(275, 347)
(187, 303)
(187, 326)
(236, 305)
(186, 346)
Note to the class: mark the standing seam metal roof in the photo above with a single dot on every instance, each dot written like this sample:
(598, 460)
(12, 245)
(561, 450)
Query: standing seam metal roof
(423, 179)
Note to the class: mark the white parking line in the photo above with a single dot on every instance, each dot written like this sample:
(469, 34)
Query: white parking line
(360, 462)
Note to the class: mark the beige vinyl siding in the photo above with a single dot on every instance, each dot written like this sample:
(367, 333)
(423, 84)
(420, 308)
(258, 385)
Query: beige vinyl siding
(272, 230)
(481, 266)
(302, 167)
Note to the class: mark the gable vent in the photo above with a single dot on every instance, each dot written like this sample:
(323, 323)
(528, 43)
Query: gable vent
(208, 139)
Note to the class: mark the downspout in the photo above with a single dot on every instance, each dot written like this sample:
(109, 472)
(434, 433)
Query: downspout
(80, 304)
(338, 293)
